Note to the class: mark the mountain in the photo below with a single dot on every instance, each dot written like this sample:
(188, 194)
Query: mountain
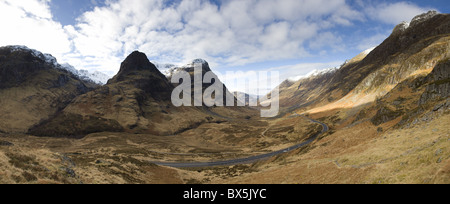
(126, 103)
(381, 117)
(245, 98)
(225, 111)
(304, 90)
(165, 68)
(395, 71)
(295, 94)
(136, 100)
(33, 87)
(387, 114)
(190, 69)
(95, 77)
(140, 73)
(294, 90)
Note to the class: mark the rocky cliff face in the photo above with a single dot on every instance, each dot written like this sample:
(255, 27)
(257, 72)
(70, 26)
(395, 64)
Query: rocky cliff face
(190, 69)
(33, 87)
(438, 83)
(416, 99)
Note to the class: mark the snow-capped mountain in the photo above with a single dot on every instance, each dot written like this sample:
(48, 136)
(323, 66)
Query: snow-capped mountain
(423, 17)
(195, 61)
(161, 66)
(316, 72)
(313, 74)
(165, 68)
(69, 68)
(170, 69)
(96, 77)
(368, 51)
(403, 26)
(46, 57)
(41, 88)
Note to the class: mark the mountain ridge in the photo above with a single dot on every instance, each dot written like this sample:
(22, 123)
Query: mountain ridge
(33, 87)
(136, 100)
(380, 70)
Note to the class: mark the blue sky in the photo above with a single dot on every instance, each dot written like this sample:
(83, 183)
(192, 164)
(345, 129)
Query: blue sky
(291, 36)
(67, 11)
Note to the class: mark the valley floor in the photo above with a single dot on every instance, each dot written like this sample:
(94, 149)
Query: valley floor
(126, 158)
(357, 154)
(361, 154)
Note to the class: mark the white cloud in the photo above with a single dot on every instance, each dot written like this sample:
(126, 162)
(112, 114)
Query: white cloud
(35, 8)
(394, 13)
(236, 33)
(29, 23)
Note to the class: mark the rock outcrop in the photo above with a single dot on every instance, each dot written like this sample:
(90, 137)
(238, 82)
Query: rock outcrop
(438, 81)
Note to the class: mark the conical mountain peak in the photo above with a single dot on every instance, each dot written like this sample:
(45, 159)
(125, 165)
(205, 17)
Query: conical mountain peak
(136, 61)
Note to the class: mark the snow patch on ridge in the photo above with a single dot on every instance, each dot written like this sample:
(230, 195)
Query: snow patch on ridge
(403, 26)
(170, 69)
(423, 17)
(313, 73)
(196, 61)
(48, 58)
(96, 77)
(166, 69)
(368, 51)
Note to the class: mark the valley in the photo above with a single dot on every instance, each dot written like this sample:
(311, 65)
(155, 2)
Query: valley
(117, 156)
(381, 117)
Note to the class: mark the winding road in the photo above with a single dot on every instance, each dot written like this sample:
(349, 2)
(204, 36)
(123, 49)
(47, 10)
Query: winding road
(247, 160)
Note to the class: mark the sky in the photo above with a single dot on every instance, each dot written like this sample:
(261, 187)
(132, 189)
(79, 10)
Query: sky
(293, 37)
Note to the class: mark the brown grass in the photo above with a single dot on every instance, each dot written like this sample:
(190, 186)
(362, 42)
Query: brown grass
(125, 158)
(362, 155)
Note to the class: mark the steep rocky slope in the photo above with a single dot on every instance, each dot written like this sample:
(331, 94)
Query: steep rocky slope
(33, 87)
(306, 91)
(204, 66)
(411, 53)
(223, 111)
(421, 98)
